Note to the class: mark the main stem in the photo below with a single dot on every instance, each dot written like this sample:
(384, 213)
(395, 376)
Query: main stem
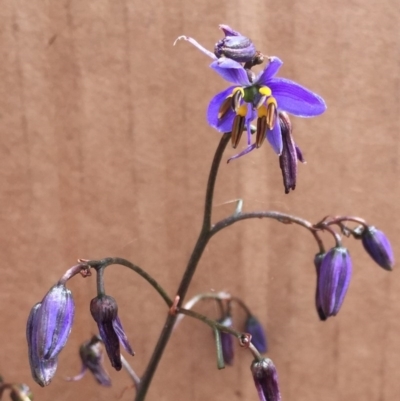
(201, 243)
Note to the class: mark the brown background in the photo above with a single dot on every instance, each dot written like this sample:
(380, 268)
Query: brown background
(105, 152)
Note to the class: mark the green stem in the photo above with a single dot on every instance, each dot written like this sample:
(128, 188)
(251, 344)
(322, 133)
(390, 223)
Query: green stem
(100, 265)
(197, 252)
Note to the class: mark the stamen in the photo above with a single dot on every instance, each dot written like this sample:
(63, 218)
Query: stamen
(225, 106)
(271, 112)
(261, 130)
(238, 125)
(265, 91)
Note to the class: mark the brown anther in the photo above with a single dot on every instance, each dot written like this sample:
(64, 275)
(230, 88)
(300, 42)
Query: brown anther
(271, 115)
(174, 307)
(225, 107)
(237, 130)
(261, 130)
(245, 340)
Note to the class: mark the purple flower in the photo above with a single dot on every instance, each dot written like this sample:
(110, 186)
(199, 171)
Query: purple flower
(42, 370)
(104, 310)
(256, 96)
(258, 337)
(266, 380)
(227, 341)
(91, 354)
(290, 155)
(334, 279)
(378, 247)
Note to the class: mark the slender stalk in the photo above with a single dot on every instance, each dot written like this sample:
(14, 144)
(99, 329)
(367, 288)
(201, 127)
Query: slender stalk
(197, 252)
(132, 374)
(100, 265)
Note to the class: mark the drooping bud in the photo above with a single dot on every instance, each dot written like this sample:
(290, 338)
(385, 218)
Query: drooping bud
(91, 353)
(378, 247)
(317, 263)
(334, 279)
(104, 310)
(235, 46)
(258, 337)
(289, 156)
(54, 319)
(266, 380)
(42, 370)
(227, 341)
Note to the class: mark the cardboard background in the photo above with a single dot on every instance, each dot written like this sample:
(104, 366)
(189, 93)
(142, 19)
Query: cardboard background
(105, 151)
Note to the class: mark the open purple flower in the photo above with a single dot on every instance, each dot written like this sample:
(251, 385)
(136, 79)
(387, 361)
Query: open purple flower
(256, 97)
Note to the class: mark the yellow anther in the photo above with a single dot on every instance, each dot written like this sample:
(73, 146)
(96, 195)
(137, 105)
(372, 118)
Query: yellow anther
(262, 111)
(265, 91)
(242, 110)
(238, 89)
(272, 100)
(271, 112)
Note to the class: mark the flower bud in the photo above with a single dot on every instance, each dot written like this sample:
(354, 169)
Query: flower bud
(104, 310)
(42, 370)
(258, 337)
(317, 263)
(334, 279)
(235, 46)
(378, 247)
(290, 155)
(266, 380)
(227, 341)
(54, 321)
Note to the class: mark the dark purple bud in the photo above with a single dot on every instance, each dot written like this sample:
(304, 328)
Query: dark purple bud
(227, 341)
(21, 392)
(317, 263)
(378, 247)
(288, 157)
(55, 318)
(334, 279)
(258, 337)
(266, 380)
(104, 310)
(235, 46)
(91, 353)
(42, 370)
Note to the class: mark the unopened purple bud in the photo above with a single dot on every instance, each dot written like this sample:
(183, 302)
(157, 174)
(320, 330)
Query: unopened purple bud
(288, 157)
(266, 380)
(91, 354)
(42, 370)
(235, 46)
(104, 310)
(227, 341)
(258, 337)
(317, 263)
(55, 318)
(334, 279)
(378, 247)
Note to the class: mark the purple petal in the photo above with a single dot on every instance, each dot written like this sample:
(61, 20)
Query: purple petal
(258, 337)
(274, 137)
(243, 152)
(122, 336)
(228, 31)
(225, 123)
(295, 99)
(55, 319)
(300, 156)
(231, 71)
(197, 44)
(270, 70)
